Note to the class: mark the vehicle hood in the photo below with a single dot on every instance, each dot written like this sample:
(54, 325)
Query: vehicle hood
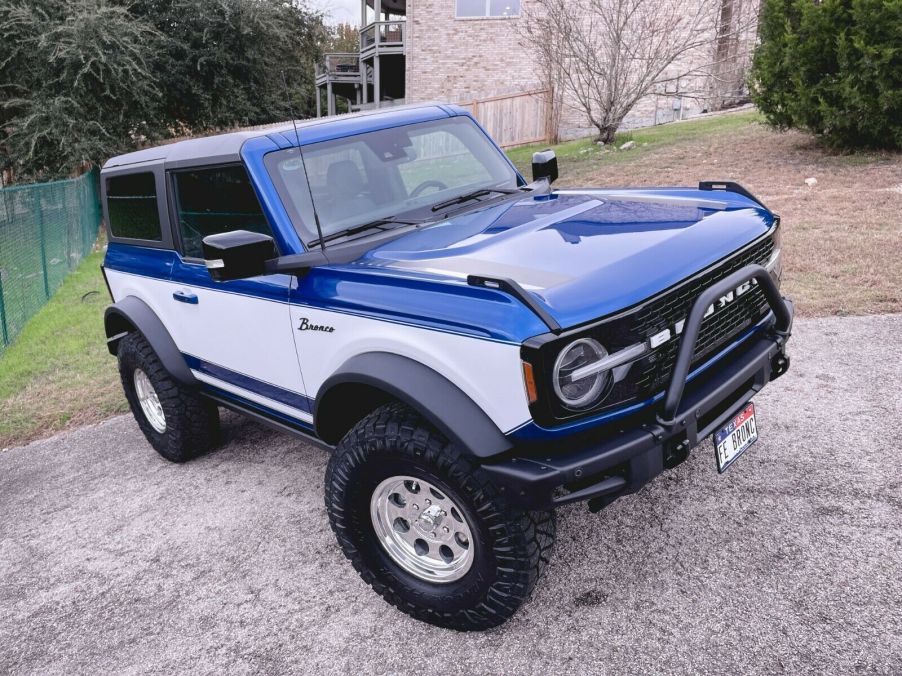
(584, 254)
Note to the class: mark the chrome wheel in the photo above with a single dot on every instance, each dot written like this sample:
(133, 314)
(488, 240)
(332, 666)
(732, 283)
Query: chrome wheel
(149, 401)
(422, 529)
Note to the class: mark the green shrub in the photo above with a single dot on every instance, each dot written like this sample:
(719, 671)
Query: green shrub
(832, 67)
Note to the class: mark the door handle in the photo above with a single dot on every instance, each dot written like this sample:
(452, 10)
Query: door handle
(184, 297)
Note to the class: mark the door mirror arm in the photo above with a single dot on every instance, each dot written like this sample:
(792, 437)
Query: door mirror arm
(297, 264)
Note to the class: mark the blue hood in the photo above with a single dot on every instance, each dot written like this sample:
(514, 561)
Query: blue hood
(583, 254)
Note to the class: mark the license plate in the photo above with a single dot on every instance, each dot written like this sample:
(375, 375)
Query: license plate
(735, 438)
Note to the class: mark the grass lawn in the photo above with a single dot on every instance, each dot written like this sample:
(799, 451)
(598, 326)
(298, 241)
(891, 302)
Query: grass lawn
(58, 373)
(842, 241)
(585, 152)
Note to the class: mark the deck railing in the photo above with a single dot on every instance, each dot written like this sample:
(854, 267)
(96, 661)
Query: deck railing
(382, 34)
(339, 64)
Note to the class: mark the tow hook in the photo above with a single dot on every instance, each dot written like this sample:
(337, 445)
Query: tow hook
(779, 365)
(674, 455)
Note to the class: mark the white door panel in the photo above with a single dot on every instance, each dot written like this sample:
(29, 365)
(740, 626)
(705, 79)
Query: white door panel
(247, 335)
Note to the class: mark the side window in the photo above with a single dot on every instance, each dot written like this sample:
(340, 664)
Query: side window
(215, 200)
(132, 207)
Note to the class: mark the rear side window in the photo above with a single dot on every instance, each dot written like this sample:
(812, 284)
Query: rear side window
(216, 200)
(132, 207)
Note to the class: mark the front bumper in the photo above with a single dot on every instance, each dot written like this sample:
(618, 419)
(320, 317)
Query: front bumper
(622, 457)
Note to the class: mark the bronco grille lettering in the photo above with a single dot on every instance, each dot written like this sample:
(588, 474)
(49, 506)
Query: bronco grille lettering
(662, 337)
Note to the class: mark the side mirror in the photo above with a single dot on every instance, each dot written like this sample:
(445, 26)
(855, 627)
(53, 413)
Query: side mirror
(544, 165)
(238, 254)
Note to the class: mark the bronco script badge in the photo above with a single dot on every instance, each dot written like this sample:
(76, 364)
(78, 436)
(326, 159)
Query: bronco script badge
(305, 325)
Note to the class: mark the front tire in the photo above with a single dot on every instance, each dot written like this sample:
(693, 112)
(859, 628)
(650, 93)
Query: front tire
(178, 422)
(426, 529)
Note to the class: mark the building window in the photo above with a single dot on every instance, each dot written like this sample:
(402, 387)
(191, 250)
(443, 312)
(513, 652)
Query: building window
(468, 9)
(132, 206)
(216, 200)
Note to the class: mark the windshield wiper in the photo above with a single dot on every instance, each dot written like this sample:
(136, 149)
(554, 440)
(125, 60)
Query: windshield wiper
(362, 228)
(470, 196)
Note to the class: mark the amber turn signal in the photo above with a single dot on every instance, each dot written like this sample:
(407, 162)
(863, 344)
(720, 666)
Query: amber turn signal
(530, 381)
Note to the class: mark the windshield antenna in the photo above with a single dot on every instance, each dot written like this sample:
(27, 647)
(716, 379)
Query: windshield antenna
(297, 139)
(294, 121)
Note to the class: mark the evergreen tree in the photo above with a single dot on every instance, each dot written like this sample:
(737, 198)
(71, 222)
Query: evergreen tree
(833, 68)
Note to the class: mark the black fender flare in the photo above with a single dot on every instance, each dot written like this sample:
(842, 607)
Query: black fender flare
(133, 314)
(433, 396)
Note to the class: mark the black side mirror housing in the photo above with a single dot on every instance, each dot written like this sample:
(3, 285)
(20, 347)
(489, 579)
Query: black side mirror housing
(544, 165)
(238, 254)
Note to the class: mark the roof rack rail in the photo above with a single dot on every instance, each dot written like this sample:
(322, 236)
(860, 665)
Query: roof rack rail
(730, 186)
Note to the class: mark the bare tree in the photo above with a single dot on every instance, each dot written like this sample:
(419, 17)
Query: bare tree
(534, 38)
(611, 53)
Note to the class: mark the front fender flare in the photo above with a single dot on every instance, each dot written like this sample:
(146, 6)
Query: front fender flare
(433, 396)
(133, 314)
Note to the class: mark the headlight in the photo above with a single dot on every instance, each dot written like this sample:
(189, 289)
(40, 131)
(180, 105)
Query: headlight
(585, 391)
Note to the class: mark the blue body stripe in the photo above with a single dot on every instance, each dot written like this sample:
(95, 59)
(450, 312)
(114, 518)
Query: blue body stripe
(139, 260)
(259, 387)
(265, 287)
(260, 408)
(462, 310)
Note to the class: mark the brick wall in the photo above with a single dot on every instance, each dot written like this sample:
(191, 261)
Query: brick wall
(460, 60)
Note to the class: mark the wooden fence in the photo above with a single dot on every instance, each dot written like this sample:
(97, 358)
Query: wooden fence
(514, 119)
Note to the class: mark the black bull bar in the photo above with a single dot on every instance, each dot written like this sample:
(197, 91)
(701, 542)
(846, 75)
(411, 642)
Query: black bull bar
(623, 460)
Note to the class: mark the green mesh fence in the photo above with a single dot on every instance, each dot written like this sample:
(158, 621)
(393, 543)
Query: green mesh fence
(45, 230)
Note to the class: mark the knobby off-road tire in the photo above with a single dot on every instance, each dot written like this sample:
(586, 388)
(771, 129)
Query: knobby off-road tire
(191, 422)
(510, 548)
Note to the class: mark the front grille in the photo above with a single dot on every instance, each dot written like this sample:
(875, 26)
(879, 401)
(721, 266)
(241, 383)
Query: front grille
(716, 330)
(651, 373)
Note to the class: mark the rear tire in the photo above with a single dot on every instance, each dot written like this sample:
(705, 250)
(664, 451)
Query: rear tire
(179, 423)
(500, 552)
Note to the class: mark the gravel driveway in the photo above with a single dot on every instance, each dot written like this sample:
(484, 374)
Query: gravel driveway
(112, 560)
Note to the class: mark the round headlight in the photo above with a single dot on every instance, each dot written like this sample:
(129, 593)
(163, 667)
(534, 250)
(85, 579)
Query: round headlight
(579, 393)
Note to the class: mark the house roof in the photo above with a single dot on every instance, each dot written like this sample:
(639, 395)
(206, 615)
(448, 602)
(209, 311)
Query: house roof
(223, 148)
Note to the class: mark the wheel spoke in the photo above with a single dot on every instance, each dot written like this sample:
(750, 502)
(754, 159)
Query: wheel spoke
(149, 401)
(421, 529)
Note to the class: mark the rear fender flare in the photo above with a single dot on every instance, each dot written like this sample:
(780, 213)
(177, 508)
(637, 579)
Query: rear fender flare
(133, 314)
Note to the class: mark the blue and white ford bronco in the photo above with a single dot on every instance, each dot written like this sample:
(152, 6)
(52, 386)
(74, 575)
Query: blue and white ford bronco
(474, 349)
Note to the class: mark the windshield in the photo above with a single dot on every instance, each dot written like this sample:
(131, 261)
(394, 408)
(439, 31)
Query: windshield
(397, 173)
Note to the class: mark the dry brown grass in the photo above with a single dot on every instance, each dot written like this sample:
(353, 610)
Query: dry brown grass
(842, 237)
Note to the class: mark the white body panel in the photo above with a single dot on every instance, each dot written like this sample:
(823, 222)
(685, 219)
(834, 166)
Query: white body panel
(489, 372)
(260, 338)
